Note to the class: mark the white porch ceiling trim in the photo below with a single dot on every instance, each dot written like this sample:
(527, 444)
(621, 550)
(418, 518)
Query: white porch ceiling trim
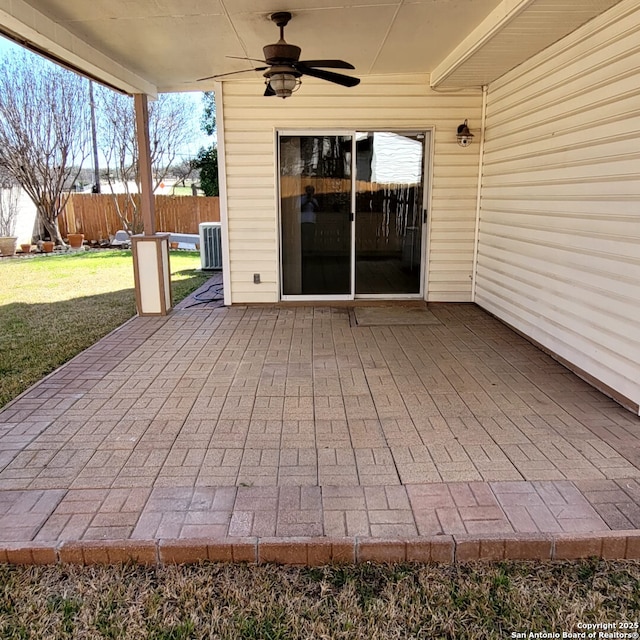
(23, 23)
(501, 16)
(515, 31)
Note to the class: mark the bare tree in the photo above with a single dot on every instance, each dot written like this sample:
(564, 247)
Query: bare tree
(9, 195)
(183, 171)
(43, 131)
(170, 129)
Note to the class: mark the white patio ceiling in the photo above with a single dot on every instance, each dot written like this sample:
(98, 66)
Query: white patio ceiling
(166, 45)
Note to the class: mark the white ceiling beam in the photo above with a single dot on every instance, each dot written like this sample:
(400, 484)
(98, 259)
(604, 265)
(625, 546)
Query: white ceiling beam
(501, 16)
(23, 23)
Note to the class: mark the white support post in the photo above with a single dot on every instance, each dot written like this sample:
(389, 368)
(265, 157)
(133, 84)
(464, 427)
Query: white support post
(152, 274)
(151, 269)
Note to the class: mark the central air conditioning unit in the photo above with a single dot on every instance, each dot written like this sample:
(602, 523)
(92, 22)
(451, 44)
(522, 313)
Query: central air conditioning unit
(210, 245)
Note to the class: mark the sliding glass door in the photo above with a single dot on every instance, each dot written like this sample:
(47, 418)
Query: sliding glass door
(352, 215)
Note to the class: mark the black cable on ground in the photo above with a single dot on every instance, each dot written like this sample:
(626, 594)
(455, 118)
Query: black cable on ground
(199, 300)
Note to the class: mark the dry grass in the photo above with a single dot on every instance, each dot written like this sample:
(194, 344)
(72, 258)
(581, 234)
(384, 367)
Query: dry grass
(368, 602)
(52, 307)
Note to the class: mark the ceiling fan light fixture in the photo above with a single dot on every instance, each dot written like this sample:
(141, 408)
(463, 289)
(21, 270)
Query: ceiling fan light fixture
(284, 84)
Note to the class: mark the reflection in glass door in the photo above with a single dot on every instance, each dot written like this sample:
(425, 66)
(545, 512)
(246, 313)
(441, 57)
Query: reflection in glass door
(389, 213)
(315, 214)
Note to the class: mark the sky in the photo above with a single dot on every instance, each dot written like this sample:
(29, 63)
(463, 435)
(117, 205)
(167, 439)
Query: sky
(189, 151)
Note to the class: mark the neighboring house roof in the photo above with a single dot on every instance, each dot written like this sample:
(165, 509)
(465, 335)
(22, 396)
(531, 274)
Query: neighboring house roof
(145, 47)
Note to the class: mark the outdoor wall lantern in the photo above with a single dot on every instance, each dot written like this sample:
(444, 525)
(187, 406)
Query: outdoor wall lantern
(464, 136)
(284, 84)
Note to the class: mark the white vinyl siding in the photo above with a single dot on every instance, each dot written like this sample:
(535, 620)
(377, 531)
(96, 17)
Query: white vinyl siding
(559, 241)
(380, 103)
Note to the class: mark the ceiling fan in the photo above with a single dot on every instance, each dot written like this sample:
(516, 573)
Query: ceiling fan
(283, 68)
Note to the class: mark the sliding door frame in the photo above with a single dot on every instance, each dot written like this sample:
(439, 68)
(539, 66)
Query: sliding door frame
(426, 200)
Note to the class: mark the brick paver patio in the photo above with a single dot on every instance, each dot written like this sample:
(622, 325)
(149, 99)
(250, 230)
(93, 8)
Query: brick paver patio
(292, 433)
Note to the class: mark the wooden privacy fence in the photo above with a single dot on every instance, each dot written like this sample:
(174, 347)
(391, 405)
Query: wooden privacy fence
(95, 215)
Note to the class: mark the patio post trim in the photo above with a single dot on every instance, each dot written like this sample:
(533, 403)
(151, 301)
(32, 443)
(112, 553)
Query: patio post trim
(222, 189)
(476, 238)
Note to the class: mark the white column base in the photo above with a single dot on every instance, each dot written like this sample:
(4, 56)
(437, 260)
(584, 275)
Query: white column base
(152, 274)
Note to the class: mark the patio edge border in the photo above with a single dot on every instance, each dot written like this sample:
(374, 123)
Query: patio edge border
(442, 549)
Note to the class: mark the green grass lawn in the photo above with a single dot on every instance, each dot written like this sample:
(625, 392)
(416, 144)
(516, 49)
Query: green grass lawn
(363, 602)
(181, 191)
(54, 306)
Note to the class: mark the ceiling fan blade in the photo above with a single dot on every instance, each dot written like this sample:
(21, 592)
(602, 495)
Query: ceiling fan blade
(269, 90)
(243, 58)
(231, 73)
(338, 78)
(327, 64)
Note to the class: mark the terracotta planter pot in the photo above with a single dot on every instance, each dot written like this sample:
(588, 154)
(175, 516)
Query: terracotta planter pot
(174, 245)
(26, 248)
(8, 245)
(47, 246)
(75, 240)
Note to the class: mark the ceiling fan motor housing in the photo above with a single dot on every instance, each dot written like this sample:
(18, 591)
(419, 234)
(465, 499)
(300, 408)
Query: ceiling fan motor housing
(281, 53)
